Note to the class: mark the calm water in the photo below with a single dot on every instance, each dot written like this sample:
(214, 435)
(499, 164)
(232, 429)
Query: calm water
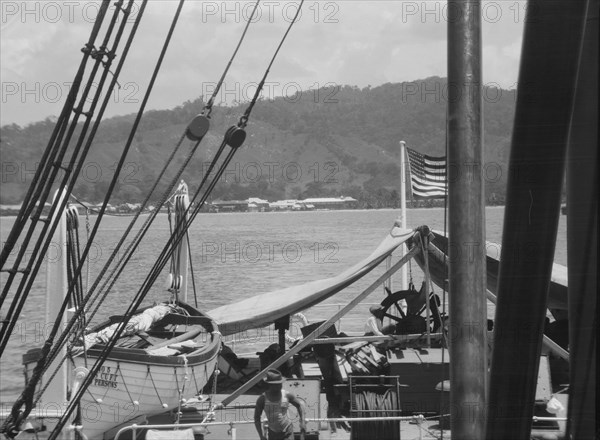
(239, 255)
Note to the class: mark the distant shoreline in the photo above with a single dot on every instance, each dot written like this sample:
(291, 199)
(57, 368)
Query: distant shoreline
(13, 213)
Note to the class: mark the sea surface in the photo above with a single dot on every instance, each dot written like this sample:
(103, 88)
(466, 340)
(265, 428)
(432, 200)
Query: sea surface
(237, 255)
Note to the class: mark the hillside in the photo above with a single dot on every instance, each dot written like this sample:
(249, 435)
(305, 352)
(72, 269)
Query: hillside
(327, 142)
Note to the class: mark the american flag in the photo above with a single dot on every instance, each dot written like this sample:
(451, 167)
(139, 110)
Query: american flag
(427, 175)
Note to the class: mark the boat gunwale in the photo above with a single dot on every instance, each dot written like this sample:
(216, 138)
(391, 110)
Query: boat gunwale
(141, 356)
(205, 353)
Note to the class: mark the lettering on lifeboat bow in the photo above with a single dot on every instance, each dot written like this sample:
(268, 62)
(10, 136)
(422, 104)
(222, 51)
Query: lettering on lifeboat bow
(107, 377)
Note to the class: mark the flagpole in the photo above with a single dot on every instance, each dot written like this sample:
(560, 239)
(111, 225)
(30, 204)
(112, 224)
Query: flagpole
(403, 222)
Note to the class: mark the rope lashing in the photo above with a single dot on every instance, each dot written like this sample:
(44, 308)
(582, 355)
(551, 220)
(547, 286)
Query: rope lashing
(149, 373)
(134, 402)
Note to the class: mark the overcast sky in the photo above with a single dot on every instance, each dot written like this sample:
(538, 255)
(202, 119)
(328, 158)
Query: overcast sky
(350, 42)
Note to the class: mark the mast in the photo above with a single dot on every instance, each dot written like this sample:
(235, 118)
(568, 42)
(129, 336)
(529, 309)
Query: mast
(582, 228)
(543, 114)
(466, 222)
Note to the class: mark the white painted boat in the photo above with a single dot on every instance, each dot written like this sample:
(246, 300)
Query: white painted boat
(148, 371)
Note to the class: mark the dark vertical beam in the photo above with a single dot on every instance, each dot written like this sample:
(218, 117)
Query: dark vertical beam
(582, 236)
(547, 76)
(282, 325)
(468, 366)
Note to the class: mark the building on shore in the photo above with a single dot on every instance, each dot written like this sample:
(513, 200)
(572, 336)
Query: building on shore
(258, 205)
(255, 204)
(332, 202)
(285, 205)
(230, 205)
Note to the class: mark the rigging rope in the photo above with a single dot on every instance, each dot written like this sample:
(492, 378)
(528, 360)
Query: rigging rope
(192, 273)
(244, 119)
(71, 246)
(115, 77)
(80, 311)
(234, 138)
(208, 107)
(35, 189)
(41, 173)
(169, 189)
(55, 165)
(50, 224)
(61, 423)
(17, 416)
(101, 212)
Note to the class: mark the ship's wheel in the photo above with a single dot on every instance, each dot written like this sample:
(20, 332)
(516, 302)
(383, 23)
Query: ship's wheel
(413, 320)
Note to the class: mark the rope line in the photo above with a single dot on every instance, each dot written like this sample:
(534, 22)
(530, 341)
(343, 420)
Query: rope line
(47, 348)
(224, 165)
(41, 248)
(137, 402)
(195, 381)
(244, 119)
(49, 225)
(192, 272)
(124, 382)
(41, 173)
(233, 138)
(164, 405)
(208, 107)
(95, 399)
(115, 252)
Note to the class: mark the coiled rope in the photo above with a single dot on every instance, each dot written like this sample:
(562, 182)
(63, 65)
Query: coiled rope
(372, 404)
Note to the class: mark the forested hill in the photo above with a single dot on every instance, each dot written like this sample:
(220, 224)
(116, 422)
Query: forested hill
(328, 142)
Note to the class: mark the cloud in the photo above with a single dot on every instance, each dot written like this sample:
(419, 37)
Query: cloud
(354, 42)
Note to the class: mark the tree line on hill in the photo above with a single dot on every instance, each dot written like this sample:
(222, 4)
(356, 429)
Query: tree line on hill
(344, 140)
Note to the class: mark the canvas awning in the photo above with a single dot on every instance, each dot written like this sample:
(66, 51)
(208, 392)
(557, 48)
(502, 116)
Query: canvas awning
(265, 308)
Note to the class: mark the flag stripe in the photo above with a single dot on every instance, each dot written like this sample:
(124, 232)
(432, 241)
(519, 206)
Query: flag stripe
(427, 175)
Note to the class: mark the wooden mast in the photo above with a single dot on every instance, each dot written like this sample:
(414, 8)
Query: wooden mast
(468, 366)
(582, 229)
(547, 76)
